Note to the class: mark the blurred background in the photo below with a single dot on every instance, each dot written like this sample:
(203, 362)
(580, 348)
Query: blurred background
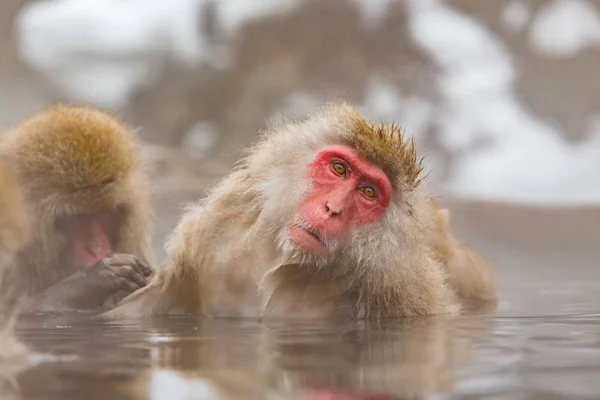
(502, 96)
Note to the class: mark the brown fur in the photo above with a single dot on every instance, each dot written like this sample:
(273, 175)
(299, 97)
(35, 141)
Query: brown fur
(67, 160)
(230, 254)
(14, 233)
(468, 272)
(386, 147)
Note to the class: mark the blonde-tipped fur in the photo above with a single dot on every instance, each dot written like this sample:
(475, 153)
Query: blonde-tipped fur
(230, 253)
(14, 233)
(68, 160)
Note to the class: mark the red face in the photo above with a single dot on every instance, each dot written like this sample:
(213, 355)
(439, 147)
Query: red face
(347, 192)
(89, 236)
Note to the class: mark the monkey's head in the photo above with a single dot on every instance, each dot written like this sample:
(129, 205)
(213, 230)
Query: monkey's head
(77, 167)
(342, 185)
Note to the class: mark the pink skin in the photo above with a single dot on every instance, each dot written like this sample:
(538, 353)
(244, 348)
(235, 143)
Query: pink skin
(336, 202)
(91, 243)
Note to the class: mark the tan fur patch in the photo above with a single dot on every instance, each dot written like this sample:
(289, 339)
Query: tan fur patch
(90, 150)
(386, 147)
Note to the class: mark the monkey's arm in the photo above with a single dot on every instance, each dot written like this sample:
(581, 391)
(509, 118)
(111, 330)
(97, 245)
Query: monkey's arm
(192, 272)
(163, 295)
(89, 289)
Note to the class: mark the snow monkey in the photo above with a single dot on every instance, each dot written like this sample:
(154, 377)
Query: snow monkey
(14, 233)
(87, 198)
(14, 221)
(325, 216)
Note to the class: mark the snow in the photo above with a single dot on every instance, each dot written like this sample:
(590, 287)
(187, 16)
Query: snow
(526, 159)
(383, 103)
(515, 14)
(565, 27)
(372, 11)
(101, 51)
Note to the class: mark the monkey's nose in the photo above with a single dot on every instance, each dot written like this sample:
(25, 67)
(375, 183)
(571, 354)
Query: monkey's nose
(94, 249)
(332, 210)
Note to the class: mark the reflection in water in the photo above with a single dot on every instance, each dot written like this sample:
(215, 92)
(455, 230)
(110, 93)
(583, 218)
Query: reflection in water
(13, 358)
(180, 358)
(187, 359)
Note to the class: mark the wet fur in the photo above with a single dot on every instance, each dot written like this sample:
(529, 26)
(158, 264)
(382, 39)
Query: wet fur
(221, 257)
(71, 159)
(14, 233)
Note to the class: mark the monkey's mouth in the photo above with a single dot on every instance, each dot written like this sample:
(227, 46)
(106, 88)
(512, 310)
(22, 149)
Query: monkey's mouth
(307, 240)
(312, 233)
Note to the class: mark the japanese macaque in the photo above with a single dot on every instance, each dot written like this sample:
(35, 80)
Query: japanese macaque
(325, 216)
(14, 222)
(87, 197)
(14, 233)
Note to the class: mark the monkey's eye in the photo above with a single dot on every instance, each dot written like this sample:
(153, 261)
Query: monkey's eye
(368, 191)
(339, 168)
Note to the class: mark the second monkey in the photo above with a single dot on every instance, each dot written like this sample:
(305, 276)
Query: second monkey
(87, 197)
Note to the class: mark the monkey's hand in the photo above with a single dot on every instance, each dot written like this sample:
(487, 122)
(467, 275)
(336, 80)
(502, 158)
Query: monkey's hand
(111, 278)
